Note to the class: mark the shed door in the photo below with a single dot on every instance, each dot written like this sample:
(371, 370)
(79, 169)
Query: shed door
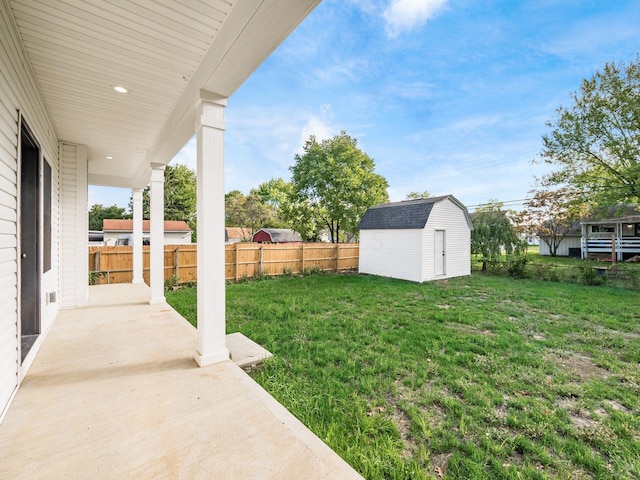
(440, 253)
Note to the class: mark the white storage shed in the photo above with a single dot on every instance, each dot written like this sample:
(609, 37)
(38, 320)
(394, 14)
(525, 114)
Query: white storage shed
(417, 240)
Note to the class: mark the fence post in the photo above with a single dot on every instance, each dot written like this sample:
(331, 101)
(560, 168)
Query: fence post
(237, 254)
(176, 267)
(96, 263)
(302, 268)
(260, 266)
(337, 257)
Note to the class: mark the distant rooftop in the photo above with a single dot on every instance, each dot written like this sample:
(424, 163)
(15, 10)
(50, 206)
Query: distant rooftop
(118, 225)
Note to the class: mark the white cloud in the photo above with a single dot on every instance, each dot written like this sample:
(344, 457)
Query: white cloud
(318, 126)
(405, 15)
(412, 90)
(343, 71)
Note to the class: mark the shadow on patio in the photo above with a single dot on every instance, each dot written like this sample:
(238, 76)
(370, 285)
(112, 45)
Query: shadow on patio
(115, 393)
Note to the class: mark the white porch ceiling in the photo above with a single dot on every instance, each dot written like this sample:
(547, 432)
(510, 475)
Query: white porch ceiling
(163, 51)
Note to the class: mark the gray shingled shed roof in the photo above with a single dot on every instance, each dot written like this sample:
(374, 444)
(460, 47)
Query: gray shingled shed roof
(279, 235)
(407, 215)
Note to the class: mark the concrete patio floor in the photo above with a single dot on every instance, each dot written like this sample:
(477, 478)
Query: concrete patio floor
(115, 393)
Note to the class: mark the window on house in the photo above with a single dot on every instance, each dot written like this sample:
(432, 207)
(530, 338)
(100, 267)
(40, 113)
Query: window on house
(603, 228)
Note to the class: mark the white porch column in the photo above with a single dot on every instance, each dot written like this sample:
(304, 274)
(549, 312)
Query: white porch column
(137, 236)
(156, 207)
(211, 251)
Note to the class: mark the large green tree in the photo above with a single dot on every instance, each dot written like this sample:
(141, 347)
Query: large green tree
(247, 212)
(595, 143)
(548, 214)
(333, 183)
(274, 192)
(417, 195)
(99, 212)
(180, 195)
(494, 234)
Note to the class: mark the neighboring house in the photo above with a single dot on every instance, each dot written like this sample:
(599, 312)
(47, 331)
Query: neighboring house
(106, 94)
(531, 239)
(418, 240)
(591, 237)
(96, 238)
(599, 235)
(237, 234)
(276, 235)
(569, 246)
(176, 232)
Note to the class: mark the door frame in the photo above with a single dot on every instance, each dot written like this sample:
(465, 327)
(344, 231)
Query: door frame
(24, 130)
(437, 256)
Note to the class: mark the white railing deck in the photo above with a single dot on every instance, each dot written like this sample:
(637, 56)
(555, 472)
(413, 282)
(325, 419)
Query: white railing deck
(603, 245)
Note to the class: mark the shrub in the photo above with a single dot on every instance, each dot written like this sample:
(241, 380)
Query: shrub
(589, 276)
(315, 270)
(171, 282)
(95, 276)
(517, 266)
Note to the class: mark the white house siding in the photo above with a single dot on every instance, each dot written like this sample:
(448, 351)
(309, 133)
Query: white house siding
(19, 93)
(563, 248)
(75, 223)
(391, 253)
(170, 238)
(446, 215)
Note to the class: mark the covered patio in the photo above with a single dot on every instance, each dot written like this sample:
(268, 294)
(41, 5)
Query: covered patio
(104, 382)
(601, 238)
(114, 392)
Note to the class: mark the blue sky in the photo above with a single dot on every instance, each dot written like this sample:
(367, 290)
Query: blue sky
(449, 96)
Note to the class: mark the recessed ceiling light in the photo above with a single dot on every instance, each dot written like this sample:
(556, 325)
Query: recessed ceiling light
(120, 89)
(109, 157)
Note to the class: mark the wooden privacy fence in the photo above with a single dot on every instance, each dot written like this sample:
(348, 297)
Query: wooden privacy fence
(242, 260)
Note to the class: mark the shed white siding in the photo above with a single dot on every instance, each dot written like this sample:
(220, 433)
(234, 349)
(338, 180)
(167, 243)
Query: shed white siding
(563, 248)
(446, 215)
(170, 238)
(391, 253)
(19, 95)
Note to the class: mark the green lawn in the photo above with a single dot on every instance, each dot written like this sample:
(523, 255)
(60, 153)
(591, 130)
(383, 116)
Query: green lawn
(482, 377)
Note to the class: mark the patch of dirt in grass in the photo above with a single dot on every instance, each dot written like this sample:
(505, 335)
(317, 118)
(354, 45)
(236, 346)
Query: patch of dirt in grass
(440, 463)
(516, 458)
(431, 414)
(601, 331)
(579, 417)
(469, 329)
(444, 307)
(583, 420)
(403, 423)
(475, 298)
(580, 365)
(501, 412)
(617, 406)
